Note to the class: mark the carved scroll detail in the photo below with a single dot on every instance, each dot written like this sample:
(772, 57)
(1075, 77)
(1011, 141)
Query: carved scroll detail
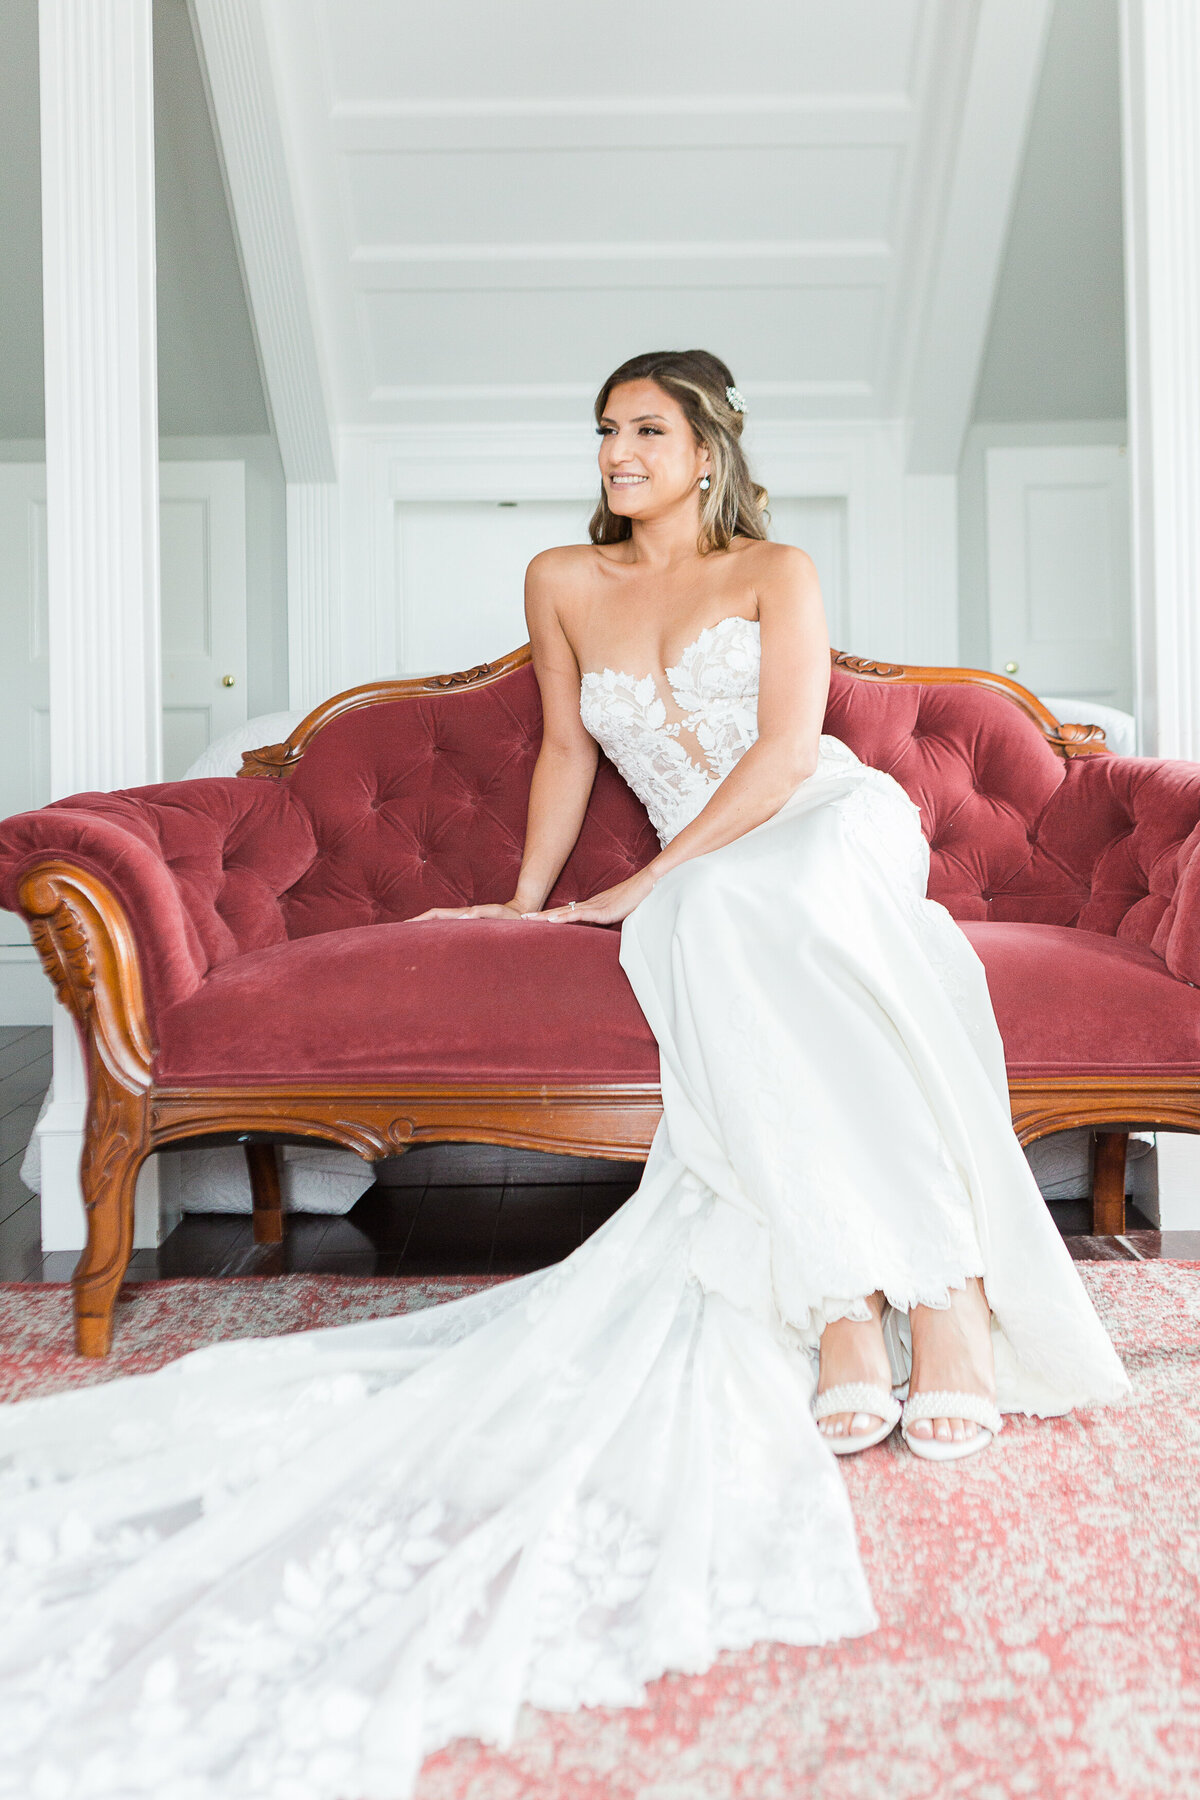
(267, 763)
(461, 678)
(112, 1137)
(60, 940)
(860, 665)
(87, 947)
(1080, 740)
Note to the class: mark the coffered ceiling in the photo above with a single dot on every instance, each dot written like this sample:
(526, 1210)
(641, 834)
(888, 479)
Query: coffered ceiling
(490, 205)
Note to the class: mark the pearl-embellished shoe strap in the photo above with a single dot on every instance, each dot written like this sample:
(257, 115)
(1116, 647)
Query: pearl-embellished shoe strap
(857, 1397)
(941, 1404)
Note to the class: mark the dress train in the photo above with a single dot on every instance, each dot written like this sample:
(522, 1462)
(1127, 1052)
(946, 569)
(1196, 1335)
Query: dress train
(288, 1569)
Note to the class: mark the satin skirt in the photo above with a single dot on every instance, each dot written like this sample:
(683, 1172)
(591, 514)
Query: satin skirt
(293, 1567)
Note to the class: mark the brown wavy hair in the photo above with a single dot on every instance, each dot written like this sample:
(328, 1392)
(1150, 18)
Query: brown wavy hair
(735, 505)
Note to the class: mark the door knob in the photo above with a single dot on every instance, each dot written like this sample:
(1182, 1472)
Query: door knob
(228, 680)
(1009, 669)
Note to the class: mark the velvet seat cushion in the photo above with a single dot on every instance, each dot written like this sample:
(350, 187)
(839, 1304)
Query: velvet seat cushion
(488, 1000)
(476, 1000)
(1073, 1002)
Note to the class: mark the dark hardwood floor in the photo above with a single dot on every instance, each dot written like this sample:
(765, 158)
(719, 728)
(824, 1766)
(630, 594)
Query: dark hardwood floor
(452, 1218)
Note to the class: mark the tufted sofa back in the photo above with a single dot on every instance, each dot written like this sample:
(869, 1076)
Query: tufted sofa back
(1017, 832)
(421, 802)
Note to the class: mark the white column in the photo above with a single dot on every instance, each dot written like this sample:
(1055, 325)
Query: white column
(314, 592)
(97, 131)
(1160, 94)
(1161, 142)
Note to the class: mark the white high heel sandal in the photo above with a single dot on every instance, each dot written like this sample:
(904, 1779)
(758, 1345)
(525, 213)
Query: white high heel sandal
(857, 1397)
(936, 1404)
(950, 1405)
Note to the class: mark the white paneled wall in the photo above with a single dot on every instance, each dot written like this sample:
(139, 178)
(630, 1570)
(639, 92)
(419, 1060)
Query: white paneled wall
(460, 569)
(438, 524)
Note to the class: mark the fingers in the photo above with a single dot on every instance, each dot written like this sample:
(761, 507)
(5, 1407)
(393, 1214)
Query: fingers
(489, 910)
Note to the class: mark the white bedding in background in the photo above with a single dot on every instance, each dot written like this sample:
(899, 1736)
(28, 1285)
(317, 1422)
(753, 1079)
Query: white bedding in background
(1120, 728)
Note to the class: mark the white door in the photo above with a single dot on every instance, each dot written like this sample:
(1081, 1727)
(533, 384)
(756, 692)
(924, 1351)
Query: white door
(818, 526)
(203, 526)
(461, 569)
(1058, 570)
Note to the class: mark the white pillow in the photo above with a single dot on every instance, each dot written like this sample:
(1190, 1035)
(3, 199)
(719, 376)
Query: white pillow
(224, 757)
(1120, 728)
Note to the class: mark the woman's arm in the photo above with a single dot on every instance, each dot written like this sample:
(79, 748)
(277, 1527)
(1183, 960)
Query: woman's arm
(566, 763)
(793, 689)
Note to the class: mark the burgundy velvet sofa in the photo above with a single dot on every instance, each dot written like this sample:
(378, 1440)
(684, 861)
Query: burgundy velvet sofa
(236, 955)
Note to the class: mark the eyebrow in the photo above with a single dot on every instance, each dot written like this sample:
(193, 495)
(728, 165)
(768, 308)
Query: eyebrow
(642, 419)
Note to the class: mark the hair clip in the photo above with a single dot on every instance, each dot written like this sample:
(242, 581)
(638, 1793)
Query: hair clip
(736, 399)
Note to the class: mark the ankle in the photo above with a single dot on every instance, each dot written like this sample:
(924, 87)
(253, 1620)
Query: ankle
(853, 1350)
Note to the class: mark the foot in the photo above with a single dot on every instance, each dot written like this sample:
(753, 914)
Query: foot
(854, 1351)
(952, 1352)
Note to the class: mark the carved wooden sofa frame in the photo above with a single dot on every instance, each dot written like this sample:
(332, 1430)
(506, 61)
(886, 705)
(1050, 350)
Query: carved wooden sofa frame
(88, 948)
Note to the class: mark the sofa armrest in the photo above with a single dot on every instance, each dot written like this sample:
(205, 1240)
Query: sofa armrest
(198, 870)
(1177, 939)
(102, 907)
(1118, 844)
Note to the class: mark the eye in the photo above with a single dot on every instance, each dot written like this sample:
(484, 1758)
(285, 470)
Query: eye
(604, 431)
(650, 431)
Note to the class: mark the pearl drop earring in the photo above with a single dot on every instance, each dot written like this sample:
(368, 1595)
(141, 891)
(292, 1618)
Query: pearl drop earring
(705, 484)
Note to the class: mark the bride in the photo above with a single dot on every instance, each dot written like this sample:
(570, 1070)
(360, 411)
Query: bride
(295, 1566)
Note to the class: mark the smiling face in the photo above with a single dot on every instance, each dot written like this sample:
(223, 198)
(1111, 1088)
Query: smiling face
(649, 459)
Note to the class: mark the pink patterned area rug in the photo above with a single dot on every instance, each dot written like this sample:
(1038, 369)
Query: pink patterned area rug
(1040, 1631)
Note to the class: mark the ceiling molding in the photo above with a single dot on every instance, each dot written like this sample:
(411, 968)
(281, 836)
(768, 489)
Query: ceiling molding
(984, 161)
(233, 53)
(649, 123)
(581, 391)
(833, 244)
(618, 106)
(439, 268)
(626, 249)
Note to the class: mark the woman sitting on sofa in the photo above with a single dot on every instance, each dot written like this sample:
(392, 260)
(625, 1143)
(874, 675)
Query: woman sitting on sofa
(299, 1565)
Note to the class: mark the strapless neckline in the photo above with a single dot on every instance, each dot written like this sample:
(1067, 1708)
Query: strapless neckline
(713, 687)
(674, 668)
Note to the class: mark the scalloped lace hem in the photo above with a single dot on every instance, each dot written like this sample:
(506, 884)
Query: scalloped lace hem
(808, 1325)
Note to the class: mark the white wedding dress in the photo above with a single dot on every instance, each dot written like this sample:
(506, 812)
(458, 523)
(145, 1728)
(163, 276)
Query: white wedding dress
(288, 1569)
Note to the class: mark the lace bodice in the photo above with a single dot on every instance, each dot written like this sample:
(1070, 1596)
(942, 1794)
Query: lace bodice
(714, 691)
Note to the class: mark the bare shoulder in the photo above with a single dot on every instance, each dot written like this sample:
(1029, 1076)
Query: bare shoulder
(775, 565)
(556, 579)
(563, 563)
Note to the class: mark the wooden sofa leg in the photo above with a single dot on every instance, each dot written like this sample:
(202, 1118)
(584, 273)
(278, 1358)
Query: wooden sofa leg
(115, 1147)
(1108, 1183)
(263, 1162)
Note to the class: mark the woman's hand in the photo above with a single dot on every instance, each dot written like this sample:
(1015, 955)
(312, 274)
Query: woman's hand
(491, 909)
(606, 908)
